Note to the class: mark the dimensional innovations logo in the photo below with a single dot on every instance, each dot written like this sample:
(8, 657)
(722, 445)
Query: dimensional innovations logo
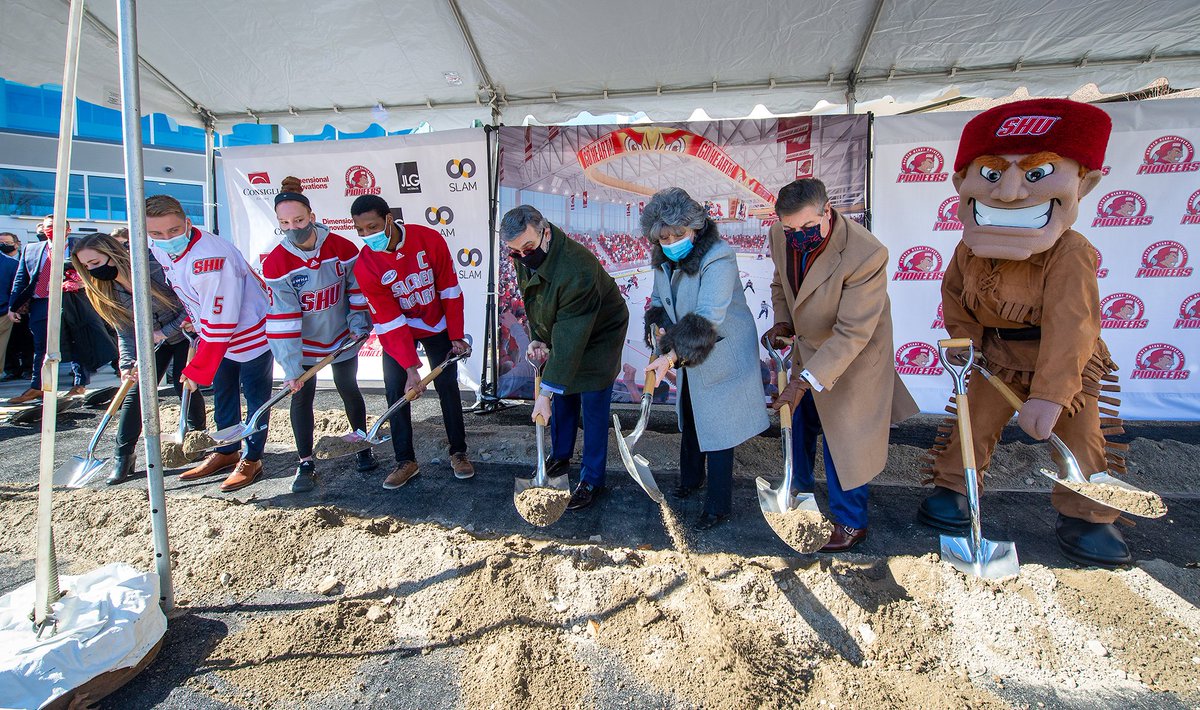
(1189, 312)
(360, 181)
(939, 321)
(409, 178)
(917, 359)
(1122, 311)
(1122, 208)
(1165, 259)
(920, 263)
(1192, 216)
(947, 216)
(1160, 361)
(922, 164)
(436, 215)
(1101, 272)
(1169, 154)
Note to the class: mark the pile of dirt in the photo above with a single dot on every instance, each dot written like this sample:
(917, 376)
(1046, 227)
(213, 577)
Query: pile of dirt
(541, 506)
(179, 455)
(528, 619)
(803, 530)
(1141, 503)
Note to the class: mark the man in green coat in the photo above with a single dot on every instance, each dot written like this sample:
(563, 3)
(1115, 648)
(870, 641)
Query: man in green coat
(577, 324)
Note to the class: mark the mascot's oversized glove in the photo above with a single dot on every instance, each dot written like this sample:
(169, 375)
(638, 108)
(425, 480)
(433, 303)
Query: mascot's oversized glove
(1038, 417)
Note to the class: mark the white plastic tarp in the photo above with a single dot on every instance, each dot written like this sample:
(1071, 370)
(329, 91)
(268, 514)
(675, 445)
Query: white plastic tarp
(296, 63)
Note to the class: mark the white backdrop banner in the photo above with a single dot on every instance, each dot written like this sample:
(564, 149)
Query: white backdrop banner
(1143, 218)
(433, 179)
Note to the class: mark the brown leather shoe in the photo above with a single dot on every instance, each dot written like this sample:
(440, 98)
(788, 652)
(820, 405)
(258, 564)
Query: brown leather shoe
(843, 538)
(215, 462)
(463, 468)
(247, 472)
(403, 474)
(26, 397)
(78, 391)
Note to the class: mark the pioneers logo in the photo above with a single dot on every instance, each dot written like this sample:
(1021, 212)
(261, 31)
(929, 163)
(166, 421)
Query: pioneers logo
(1169, 154)
(409, 177)
(947, 216)
(1160, 361)
(1122, 310)
(939, 322)
(920, 263)
(923, 164)
(436, 215)
(1122, 208)
(1189, 312)
(1101, 272)
(1165, 259)
(1192, 216)
(360, 181)
(917, 359)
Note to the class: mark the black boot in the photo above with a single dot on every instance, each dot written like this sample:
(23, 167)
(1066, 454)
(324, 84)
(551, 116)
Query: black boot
(122, 469)
(366, 460)
(306, 477)
(1088, 544)
(945, 509)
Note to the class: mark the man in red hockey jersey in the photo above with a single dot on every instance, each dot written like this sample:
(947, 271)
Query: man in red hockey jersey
(407, 276)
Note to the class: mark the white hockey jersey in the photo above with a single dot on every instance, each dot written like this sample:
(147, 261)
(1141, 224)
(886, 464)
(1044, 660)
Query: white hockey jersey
(225, 299)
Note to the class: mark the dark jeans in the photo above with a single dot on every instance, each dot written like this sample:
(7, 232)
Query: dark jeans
(845, 507)
(437, 347)
(719, 498)
(254, 380)
(129, 426)
(595, 408)
(38, 310)
(20, 349)
(345, 378)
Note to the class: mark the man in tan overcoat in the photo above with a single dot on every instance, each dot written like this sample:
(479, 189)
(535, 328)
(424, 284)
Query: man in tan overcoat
(830, 291)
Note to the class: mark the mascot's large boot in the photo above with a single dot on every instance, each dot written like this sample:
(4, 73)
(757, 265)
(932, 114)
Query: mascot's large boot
(1088, 544)
(945, 509)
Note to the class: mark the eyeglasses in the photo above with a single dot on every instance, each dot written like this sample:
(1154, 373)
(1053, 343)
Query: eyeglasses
(519, 254)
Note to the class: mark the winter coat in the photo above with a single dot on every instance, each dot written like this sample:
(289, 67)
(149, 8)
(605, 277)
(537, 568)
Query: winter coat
(168, 319)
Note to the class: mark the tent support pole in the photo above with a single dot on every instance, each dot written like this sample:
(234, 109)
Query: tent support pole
(210, 173)
(143, 319)
(489, 382)
(46, 589)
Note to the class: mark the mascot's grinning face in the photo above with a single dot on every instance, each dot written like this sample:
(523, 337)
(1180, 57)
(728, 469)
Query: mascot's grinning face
(1015, 206)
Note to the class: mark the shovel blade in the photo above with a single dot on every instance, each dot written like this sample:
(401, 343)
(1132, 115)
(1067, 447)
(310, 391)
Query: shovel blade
(637, 466)
(1142, 503)
(233, 434)
(995, 559)
(78, 472)
(773, 500)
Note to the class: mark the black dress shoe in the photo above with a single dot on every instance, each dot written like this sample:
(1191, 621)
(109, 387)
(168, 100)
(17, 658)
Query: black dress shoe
(707, 521)
(366, 460)
(945, 509)
(557, 467)
(585, 494)
(1087, 544)
(122, 470)
(683, 491)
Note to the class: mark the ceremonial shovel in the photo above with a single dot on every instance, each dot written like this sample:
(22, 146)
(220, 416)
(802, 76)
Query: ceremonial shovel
(781, 500)
(540, 479)
(185, 399)
(77, 472)
(372, 438)
(638, 466)
(975, 554)
(239, 431)
(1087, 484)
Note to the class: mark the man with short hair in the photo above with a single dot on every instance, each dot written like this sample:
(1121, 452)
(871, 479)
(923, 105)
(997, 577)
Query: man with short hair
(8, 272)
(227, 304)
(577, 322)
(830, 292)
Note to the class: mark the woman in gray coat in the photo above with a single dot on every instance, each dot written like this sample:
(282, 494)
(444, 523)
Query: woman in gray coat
(708, 333)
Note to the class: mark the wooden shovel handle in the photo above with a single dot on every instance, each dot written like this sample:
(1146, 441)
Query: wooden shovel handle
(785, 416)
(310, 372)
(965, 440)
(119, 398)
(540, 420)
(955, 343)
(412, 394)
(1011, 397)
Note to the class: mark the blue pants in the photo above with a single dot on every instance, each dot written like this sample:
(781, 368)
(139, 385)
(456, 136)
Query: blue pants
(254, 378)
(845, 507)
(564, 423)
(38, 314)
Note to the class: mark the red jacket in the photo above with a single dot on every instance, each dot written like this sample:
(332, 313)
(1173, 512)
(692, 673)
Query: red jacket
(413, 292)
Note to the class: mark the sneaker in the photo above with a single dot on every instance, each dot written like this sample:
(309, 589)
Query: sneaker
(403, 474)
(244, 474)
(463, 469)
(27, 397)
(306, 477)
(366, 460)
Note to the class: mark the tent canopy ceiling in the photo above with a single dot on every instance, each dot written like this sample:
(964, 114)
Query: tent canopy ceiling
(353, 62)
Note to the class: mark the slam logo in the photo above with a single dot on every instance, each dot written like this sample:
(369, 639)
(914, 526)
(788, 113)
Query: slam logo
(920, 263)
(360, 181)
(1101, 272)
(1189, 312)
(917, 359)
(460, 171)
(947, 216)
(470, 261)
(1122, 311)
(409, 178)
(1026, 126)
(208, 265)
(1192, 216)
(923, 164)
(1160, 361)
(1169, 154)
(442, 215)
(1165, 259)
(259, 178)
(939, 322)
(1122, 208)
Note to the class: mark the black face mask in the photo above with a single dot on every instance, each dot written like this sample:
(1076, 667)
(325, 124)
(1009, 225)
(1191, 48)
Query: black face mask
(105, 272)
(534, 258)
(8, 248)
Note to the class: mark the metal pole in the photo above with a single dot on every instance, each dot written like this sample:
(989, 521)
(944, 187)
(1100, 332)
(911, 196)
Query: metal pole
(210, 175)
(143, 320)
(46, 588)
(489, 385)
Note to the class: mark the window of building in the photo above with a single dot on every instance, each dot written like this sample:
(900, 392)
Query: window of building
(30, 193)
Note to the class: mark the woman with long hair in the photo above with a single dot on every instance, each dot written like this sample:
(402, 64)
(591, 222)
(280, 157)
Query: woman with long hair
(103, 266)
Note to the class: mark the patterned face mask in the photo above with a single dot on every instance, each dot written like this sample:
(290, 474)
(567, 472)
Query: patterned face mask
(803, 239)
